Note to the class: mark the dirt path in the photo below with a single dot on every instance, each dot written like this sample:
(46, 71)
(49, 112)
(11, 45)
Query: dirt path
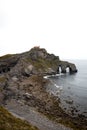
(34, 117)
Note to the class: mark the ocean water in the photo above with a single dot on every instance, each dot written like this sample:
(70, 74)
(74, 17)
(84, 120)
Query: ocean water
(72, 89)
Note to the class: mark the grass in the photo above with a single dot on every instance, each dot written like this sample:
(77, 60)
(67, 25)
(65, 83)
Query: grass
(43, 64)
(6, 56)
(2, 79)
(9, 122)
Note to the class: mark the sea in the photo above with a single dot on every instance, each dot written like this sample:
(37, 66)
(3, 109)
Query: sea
(71, 89)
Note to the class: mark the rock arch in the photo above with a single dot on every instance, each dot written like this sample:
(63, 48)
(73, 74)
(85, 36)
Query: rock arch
(64, 66)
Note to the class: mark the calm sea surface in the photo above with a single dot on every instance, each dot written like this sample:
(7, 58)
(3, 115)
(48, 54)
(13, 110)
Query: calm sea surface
(72, 89)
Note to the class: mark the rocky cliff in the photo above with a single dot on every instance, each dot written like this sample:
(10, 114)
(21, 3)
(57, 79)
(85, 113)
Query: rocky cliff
(36, 61)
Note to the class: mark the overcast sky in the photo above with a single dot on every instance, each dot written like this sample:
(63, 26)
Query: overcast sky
(60, 26)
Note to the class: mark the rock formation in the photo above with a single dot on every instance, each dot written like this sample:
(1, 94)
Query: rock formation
(35, 61)
(64, 65)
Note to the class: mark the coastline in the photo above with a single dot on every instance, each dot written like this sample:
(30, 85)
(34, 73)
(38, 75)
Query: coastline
(47, 104)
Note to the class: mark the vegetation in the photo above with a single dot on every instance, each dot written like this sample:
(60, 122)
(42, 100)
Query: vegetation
(43, 64)
(6, 56)
(2, 79)
(9, 122)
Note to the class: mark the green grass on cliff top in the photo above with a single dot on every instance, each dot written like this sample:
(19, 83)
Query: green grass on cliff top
(43, 64)
(9, 122)
(6, 56)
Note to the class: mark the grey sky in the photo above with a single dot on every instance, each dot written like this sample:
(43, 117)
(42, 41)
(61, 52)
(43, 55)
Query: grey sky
(60, 26)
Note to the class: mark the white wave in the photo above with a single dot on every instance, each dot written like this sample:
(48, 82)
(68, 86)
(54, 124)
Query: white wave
(56, 86)
(59, 74)
(59, 87)
(45, 77)
(54, 75)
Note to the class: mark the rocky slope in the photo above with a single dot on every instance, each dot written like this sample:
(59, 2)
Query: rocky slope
(22, 82)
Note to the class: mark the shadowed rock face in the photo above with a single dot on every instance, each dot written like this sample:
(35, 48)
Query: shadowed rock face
(7, 62)
(35, 61)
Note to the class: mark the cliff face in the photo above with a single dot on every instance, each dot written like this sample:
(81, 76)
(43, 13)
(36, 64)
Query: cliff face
(36, 61)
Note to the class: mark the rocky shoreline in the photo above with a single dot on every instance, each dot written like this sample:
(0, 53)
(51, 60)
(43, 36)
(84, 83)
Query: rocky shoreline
(22, 85)
(32, 94)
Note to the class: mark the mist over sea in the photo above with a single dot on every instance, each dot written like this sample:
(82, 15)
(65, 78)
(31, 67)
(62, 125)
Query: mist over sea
(72, 89)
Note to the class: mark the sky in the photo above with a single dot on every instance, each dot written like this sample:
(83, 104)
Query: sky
(59, 26)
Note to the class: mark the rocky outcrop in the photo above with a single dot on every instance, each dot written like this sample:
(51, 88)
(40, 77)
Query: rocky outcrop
(64, 65)
(7, 62)
(35, 61)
